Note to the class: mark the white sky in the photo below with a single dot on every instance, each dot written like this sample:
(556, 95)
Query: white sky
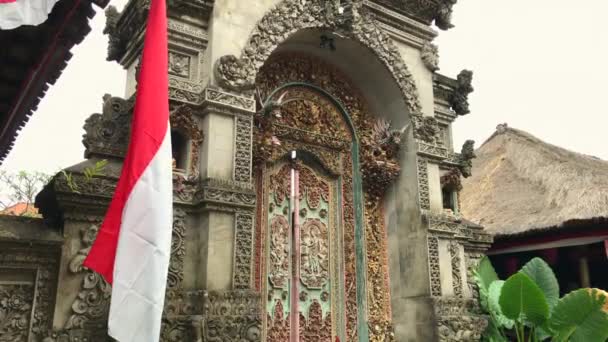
(539, 65)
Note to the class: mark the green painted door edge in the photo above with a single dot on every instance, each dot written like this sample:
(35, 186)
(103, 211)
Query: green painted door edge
(362, 326)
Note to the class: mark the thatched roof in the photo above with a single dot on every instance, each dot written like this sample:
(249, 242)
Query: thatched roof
(521, 184)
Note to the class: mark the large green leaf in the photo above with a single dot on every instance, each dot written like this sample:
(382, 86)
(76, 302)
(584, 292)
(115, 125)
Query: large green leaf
(521, 299)
(538, 270)
(494, 306)
(486, 273)
(578, 317)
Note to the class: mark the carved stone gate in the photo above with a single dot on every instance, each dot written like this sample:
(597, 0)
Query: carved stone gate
(248, 85)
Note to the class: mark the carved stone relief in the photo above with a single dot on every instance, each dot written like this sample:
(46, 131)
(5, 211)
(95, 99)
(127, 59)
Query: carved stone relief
(240, 73)
(435, 273)
(466, 158)
(179, 64)
(459, 100)
(454, 250)
(91, 306)
(242, 154)
(107, 134)
(15, 311)
(430, 56)
(427, 11)
(26, 306)
(243, 249)
(423, 184)
(232, 316)
(455, 320)
(178, 250)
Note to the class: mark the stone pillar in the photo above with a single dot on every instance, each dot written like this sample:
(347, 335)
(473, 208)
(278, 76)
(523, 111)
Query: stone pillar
(227, 198)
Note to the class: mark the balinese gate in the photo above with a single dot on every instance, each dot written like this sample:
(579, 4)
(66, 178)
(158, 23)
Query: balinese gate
(315, 282)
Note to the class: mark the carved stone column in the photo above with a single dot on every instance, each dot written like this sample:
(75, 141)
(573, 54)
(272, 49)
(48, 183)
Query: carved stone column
(227, 197)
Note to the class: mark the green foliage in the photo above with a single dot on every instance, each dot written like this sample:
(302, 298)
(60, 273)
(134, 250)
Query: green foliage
(494, 305)
(578, 317)
(20, 187)
(486, 273)
(89, 173)
(521, 299)
(528, 305)
(538, 270)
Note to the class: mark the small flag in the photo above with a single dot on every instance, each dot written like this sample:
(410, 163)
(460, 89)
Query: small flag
(15, 13)
(133, 246)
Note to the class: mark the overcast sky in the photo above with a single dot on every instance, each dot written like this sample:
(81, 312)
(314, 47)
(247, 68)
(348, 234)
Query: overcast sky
(539, 65)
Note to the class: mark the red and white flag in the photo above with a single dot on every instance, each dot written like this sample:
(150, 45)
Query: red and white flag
(15, 13)
(133, 245)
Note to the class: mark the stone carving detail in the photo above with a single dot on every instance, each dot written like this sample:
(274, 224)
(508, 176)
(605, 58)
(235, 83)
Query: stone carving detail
(243, 250)
(380, 157)
(42, 263)
(439, 11)
(315, 328)
(178, 250)
(176, 329)
(15, 311)
(461, 328)
(459, 100)
(466, 158)
(124, 28)
(107, 134)
(182, 119)
(472, 261)
(238, 102)
(240, 73)
(179, 64)
(456, 275)
(278, 272)
(242, 155)
(456, 322)
(232, 316)
(314, 271)
(430, 56)
(426, 129)
(91, 306)
(423, 184)
(435, 273)
(116, 45)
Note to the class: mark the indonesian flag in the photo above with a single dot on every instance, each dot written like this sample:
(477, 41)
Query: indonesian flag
(15, 13)
(133, 245)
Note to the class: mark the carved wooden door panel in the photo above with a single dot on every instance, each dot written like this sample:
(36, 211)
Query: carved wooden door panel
(316, 251)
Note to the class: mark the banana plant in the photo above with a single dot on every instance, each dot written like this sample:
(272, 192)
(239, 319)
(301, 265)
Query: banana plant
(527, 306)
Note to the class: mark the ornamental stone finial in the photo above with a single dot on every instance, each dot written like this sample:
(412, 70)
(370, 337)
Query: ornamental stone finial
(467, 155)
(430, 56)
(502, 128)
(459, 100)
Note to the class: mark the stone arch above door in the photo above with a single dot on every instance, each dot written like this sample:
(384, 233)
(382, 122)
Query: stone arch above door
(291, 16)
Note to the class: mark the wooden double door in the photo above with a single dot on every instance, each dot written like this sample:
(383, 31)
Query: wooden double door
(303, 259)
